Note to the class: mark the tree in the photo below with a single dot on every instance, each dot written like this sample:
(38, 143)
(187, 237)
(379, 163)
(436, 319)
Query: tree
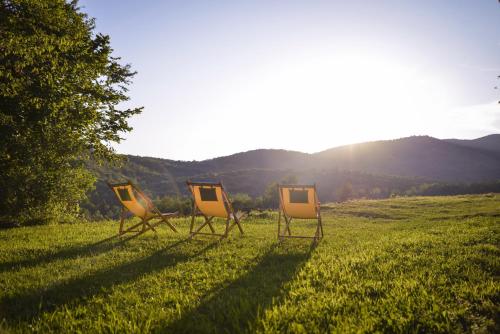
(60, 90)
(183, 205)
(345, 192)
(270, 198)
(242, 201)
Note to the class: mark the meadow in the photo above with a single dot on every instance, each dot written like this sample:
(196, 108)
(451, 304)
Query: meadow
(420, 264)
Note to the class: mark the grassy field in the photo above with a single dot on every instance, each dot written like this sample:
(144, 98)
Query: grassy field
(399, 265)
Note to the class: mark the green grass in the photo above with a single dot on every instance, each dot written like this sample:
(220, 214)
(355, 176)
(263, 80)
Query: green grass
(399, 265)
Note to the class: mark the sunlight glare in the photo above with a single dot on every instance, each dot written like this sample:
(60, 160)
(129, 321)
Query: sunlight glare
(339, 100)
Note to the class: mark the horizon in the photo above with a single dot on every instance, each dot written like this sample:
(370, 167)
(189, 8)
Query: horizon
(302, 77)
(310, 153)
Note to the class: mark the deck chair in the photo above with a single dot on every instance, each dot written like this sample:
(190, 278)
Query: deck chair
(211, 200)
(298, 201)
(137, 203)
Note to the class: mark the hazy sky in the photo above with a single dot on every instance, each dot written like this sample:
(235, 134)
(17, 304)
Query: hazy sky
(220, 77)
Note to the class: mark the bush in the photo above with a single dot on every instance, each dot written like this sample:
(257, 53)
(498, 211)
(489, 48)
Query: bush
(242, 201)
(183, 205)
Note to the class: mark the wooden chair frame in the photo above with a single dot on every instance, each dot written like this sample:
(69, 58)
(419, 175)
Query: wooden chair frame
(146, 222)
(208, 219)
(288, 219)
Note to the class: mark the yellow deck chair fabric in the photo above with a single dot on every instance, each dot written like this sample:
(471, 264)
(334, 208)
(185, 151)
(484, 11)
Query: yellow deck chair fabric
(301, 202)
(129, 200)
(137, 203)
(211, 200)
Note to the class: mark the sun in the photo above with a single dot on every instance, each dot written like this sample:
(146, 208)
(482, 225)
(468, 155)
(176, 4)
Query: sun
(339, 98)
(326, 99)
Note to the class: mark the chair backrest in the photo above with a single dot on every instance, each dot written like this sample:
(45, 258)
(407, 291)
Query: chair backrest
(299, 201)
(131, 198)
(210, 198)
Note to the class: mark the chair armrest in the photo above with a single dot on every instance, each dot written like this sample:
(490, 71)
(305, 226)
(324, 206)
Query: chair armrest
(170, 214)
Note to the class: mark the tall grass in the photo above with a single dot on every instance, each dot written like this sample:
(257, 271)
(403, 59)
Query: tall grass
(398, 265)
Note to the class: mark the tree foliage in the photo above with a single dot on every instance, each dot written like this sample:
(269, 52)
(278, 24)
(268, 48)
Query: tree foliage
(270, 198)
(60, 90)
(182, 205)
(345, 192)
(242, 201)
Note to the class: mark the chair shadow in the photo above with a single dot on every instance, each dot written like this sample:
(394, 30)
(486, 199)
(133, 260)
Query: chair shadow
(26, 307)
(95, 248)
(236, 307)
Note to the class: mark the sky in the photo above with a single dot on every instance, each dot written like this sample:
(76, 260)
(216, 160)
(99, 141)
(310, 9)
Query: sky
(221, 77)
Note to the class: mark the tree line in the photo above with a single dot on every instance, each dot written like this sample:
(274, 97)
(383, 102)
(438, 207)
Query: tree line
(269, 199)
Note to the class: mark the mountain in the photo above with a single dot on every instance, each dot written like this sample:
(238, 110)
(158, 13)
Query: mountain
(424, 157)
(487, 143)
(371, 169)
(420, 156)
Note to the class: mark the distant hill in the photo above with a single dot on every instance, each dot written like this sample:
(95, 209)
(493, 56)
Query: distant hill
(450, 160)
(372, 169)
(487, 143)
(420, 156)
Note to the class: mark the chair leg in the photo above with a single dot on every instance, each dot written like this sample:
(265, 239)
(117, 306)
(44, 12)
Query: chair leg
(227, 228)
(237, 222)
(317, 233)
(321, 226)
(166, 221)
(131, 229)
(209, 222)
(145, 229)
(199, 228)
(192, 223)
(279, 224)
(287, 224)
(122, 221)
(148, 226)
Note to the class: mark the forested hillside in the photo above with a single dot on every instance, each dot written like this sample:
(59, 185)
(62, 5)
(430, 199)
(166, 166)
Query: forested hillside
(421, 156)
(408, 166)
(487, 143)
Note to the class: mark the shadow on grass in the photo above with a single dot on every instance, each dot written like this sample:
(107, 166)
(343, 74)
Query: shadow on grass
(25, 307)
(236, 307)
(96, 248)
